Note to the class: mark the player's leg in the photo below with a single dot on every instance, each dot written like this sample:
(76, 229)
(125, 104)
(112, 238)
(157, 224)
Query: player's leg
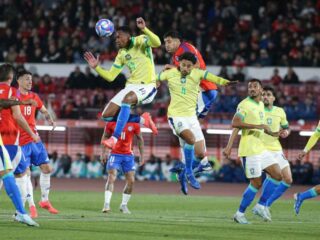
(205, 101)
(127, 192)
(300, 197)
(201, 157)
(30, 200)
(112, 175)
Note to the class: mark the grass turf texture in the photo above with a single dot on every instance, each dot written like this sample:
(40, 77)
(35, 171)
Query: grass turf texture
(158, 217)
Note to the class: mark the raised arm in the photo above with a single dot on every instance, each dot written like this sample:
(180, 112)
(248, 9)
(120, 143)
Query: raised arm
(218, 80)
(153, 40)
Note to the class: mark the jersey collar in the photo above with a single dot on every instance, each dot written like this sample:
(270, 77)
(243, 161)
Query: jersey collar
(268, 110)
(250, 99)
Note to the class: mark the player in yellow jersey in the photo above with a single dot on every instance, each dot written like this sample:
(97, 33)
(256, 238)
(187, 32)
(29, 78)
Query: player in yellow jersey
(250, 118)
(315, 191)
(183, 83)
(136, 54)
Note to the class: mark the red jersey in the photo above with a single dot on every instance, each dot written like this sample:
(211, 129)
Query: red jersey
(29, 113)
(8, 126)
(187, 47)
(124, 143)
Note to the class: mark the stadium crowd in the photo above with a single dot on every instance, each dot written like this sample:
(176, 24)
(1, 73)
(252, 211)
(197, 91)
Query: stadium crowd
(227, 32)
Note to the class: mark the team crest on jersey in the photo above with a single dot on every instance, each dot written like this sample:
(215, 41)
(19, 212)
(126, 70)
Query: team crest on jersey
(183, 80)
(261, 115)
(269, 121)
(127, 56)
(130, 128)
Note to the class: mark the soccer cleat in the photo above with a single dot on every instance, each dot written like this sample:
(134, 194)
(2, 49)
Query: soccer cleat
(183, 182)
(33, 211)
(177, 168)
(193, 181)
(240, 219)
(47, 205)
(148, 122)
(267, 210)
(297, 203)
(26, 219)
(106, 208)
(109, 143)
(202, 168)
(124, 209)
(260, 211)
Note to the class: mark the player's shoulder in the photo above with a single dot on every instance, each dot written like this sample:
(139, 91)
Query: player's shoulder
(244, 102)
(279, 110)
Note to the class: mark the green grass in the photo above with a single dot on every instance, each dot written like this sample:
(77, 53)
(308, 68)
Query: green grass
(158, 217)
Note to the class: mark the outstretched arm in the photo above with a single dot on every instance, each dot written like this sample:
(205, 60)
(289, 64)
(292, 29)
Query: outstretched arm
(153, 40)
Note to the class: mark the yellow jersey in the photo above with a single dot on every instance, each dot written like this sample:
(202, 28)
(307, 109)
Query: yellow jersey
(276, 119)
(137, 57)
(184, 90)
(251, 112)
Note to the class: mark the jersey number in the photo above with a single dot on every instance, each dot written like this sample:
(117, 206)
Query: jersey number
(27, 110)
(183, 90)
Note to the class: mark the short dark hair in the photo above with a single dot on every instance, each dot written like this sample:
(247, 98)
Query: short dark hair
(5, 70)
(23, 72)
(172, 34)
(271, 89)
(255, 80)
(188, 56)
(125, 29)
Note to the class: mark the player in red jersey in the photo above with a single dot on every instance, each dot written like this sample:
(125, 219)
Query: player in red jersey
(10, 152)
(121, 158)
(35, 153)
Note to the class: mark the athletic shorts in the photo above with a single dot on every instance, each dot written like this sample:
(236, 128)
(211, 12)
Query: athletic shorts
(280, 158)
(18, 161)
(122, 162)
(253, 165)
(205, 101)
(179, 124)
(35, 153)
(5, 160)
(144, 92)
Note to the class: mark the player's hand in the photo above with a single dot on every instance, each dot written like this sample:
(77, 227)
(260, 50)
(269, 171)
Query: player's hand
(301, 156)
(226, 153)
(53, 124)
(284, 133)
(29, 102)
(141, 24)
(91, 59)
(169, 66)
(232, 83)
(35, 138)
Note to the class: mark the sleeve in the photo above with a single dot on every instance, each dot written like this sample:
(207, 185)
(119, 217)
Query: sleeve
(13, 93)
(116, 68)
(312, 141)
(242, 111)
(39, 102)
(213, 78)
(162, 76)
(151, 39)
(284, 122)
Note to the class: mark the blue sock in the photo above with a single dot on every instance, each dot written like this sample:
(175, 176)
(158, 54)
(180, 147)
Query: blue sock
(311, 193)
(195, 163)
(134, 118)
(247, 198)
(277, 193)
(188, 154)
(269, 187)
(13, 192)
(122, 119)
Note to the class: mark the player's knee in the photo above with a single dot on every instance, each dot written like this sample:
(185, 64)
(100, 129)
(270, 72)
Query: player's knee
(277, 177)
(288, 180)
(130, 98)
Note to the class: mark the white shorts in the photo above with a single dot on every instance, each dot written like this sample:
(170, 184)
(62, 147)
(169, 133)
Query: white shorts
(144, 92)
(178, 124)
(280, 158)
(5, 161)
(253, 165)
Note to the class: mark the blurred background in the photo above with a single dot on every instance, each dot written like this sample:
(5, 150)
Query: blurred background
(275, 41)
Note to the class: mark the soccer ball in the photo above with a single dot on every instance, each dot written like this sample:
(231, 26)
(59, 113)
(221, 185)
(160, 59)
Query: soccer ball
(104, 28)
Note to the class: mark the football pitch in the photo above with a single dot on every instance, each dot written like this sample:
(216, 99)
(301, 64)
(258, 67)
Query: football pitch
(158, 217)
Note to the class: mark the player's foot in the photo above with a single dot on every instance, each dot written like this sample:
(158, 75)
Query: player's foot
(260, 211)
(297, 203)
(106, 208)
(202, 168)
(47, 205)
(193, 181)
(33, 211)
(26, 219)
(148, 122)
(110, 142)
(240, 218)
(183, 181)
(177, 168)
(267, 210)
(124, 209)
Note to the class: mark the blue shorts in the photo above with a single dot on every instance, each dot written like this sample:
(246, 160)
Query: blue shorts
(205, 100)
(121, 162)
(18, 161)
(35, 153)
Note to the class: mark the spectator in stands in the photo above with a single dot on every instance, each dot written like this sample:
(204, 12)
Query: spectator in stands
(224, 72)
(94, 168)
(99, 99)
(69, 109)
(276, 79)
(225, 59)
(77, 80)
(91, 78)
(239, 75)
(166, 165)
(46, 86)
(309, 108)
(291, 77)
(78, 167)
(151, 169)
(82, 107)
(264, 59)
(64, 164)
(53, 55)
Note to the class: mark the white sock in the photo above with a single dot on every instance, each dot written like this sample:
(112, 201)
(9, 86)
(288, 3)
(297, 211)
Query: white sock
(30, 192)
(240, 213)
(204, 161)
(125, 198)
(45, 186)
(1, 183)
(22, 185)
(107, 197)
